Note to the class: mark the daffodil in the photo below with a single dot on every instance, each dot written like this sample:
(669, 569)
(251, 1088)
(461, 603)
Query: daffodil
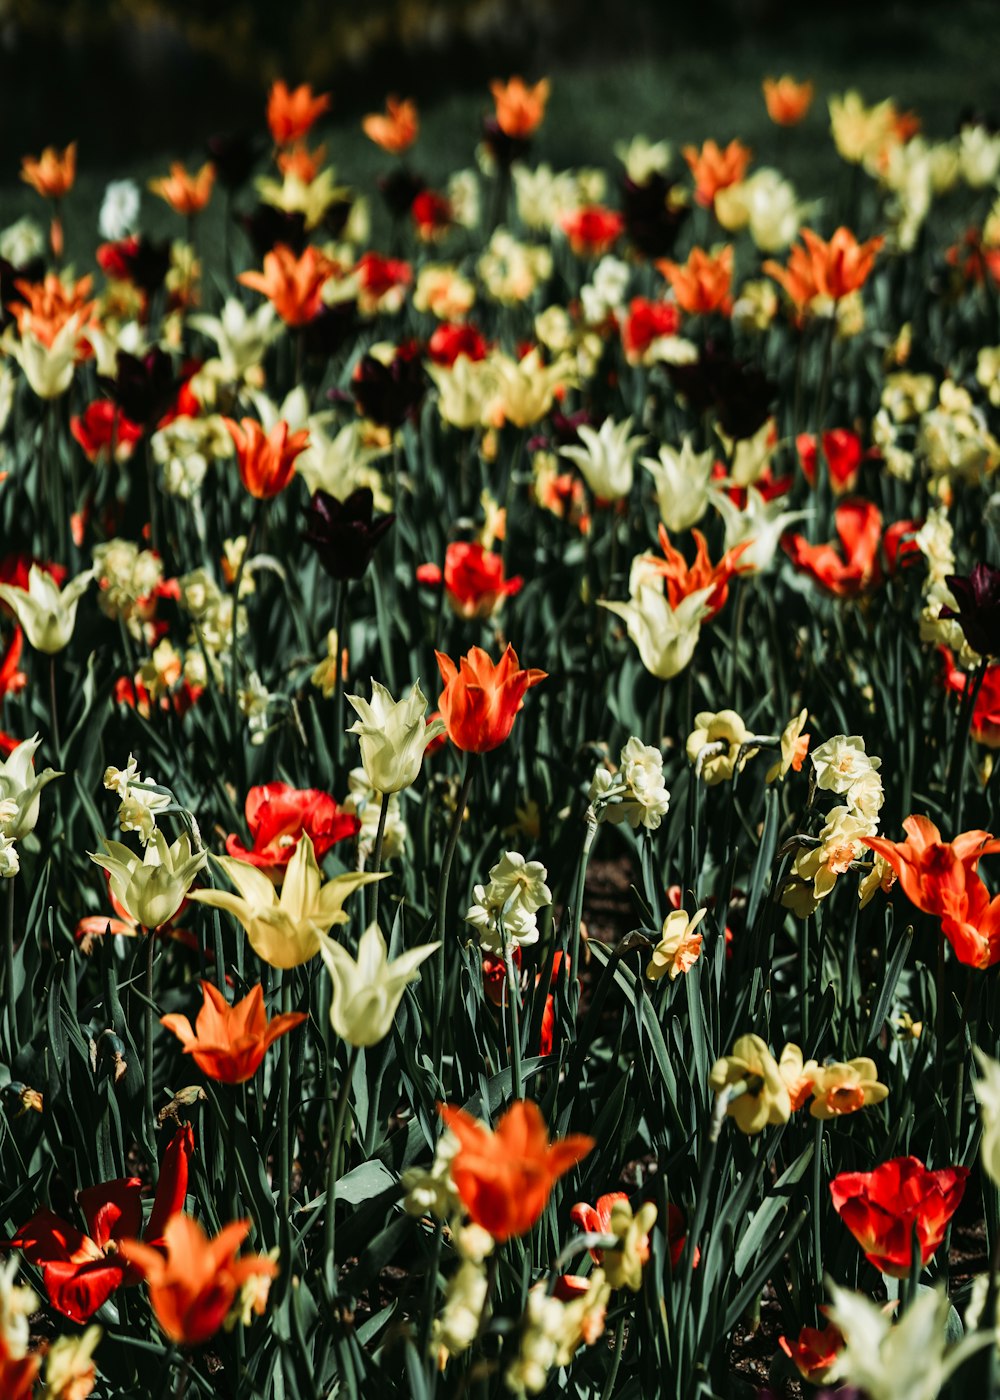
(763, 1098)
(151, 887)
(367, 990)
(679, 947)
(393, 735)
(46, 612)
(719, 746)
(285, 931)
(844, 1088)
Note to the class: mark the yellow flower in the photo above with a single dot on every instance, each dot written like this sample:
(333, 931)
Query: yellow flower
(987, 1091)
(679, 947)
(844, 1088)
(794, 747)
(151, 887)
(324, 676)
(716, 746)
(393, 735)
(46, 612)
(623, 1264)
(48, 368)
(70, 1373)
(20, 788)
(525, 388)
(859, 132)
(798, 1077)
(764, 1098)
(367, 991)
(664, 636)
(286, 931)
(463, 390)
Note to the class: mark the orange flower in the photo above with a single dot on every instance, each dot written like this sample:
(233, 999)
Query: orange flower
(520, 109)
(814, 1351)
(702, 283)
(682, 579)
(396, 129)
(195, 1286)
(300, 162)
(267, 460)
(859, 527)
(185, 193)
(480, 700)
(228, 1043)
(715, 168)
(828, 270)
(504, 1178)
(787, 101)
(290, 114)
(17, 1373)
(43, 308)
(935, 875)
(291, 284)
(51, 174)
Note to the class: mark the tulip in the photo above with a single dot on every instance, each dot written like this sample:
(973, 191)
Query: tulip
(480, 700)
(396, 129)
(292, 112)
(70, 1370)
(46, 612)
(185, 193)
(49, 368)
(229, 1043)
(292, 284)
(505, 1177)
(715, 167)
(787, 101)
(859, 526)
(520, 109)
(702, 284)
(21, 788)
(884, 1209)
(197, 1282)
(464, 386)
(144, 386)
(285, 932)
(278, 815)
(607, 457)
(683, 483)
(814, 1351)
(393, 736)
(366, 991)
(51, 174)
(266, 460)
(151, 887)
(344, 533)
(978, 607)
(389, 393)
(473, 579)
(665, 636)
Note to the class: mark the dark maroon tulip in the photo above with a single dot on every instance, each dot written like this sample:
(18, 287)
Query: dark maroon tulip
(399, 190)
(344, 533)
(266, 226)
(234, 155)
(137, 259)
(652, 219)
(144, 387)
(504, 149)
(740, 394)
(389, 394)
(978, 611)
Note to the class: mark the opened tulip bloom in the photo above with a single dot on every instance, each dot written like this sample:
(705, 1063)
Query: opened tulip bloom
(45, 611)
(52, 174)
(520, 109)
(473, 578)
(481, 699)
(505, 1177)
(197, 1283)
(278, 815)
(285, 931)
(185, 193)
(367, 990)
(821, 273)
(292, 284)
(787, 101)
(393, 735)
(935, 875)
(229, 1043)
(21, 787)
(81, 1270)
(291, 112)
(885, 1208)
(267, 460)
(396, 129)
(151, 887)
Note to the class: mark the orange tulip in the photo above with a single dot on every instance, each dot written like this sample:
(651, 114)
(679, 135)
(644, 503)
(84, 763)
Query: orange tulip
(828, 270)
(51, 174)
(292, 284)
(267, 460)
(715, 168)
(520, 109)
(229, 1043)
(396, 129)
(935, 874)
(702, 283)
(787, 101)
(290, 114)
(300, 162)
(193, 1288)
(681, 578)
(17, 1373)
(186, 194)
(504, 1178)
(43, 308)
(480, 700)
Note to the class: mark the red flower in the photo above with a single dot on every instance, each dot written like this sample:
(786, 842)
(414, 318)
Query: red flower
(473, 579)
(985, 727)
(681, 578)
(431, 214)
(593, 230)
(81, 1271)
(279, 815)
(451, 340)
(380, 278)
(15, 569)
(884, 1208)
(935, 874)
(291, 113)
(266, 460)
(859, 526)
(480, 699)
(843, 453)
(814, 1351)
(100, 424)
(12, 678)
(647, 321)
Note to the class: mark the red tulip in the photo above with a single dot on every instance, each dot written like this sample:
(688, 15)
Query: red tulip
(885, 1208)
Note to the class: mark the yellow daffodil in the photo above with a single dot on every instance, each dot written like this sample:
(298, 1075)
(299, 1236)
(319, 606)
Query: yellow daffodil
(718, 746)
(679, 947)
(844, 1088)
(764, 1098)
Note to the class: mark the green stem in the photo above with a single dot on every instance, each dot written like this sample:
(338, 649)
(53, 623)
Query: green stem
(956, 768)
(338, 1116)
(514, 1002)
(284, 1130)
(377, 858)
(148, 1052)
(11, 999)
(817, 1203)
(234, 697)
(54, 708)
(609, 1384)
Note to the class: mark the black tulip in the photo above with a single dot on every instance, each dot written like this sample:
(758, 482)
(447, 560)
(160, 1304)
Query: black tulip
(266, 226)
(144, 387)
(344, 533)
(740, 395)
(234, 156)
(399, 190)
(652, 219)
(978, 611)
(389, 394)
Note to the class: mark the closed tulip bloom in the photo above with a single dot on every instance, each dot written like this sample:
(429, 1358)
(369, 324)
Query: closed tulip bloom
(292, 112)
(393, 735)
(607, 457)
(229, 1043)
(505, 1177)
(195, 1281)
(480, 700)
(285, 931)
(520, 109)
(345, 533)
(473, 579)
(186, 194)
(267, 460)
(664, 636)
(51, 174)
(885, 1208)
(21, 787)
(153, 886)
(396, 129)
(683, 481)
(45, 611)
(787, 101)
(367, 990)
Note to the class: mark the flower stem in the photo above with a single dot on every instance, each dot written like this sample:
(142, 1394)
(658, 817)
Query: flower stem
(441, 916)
(817, 1204)
(54, 708)
(9, 973)
(514, 1002)
(284, 1136)
(150, 1124)
(337, 1115)
(956, 767)
(377, 858)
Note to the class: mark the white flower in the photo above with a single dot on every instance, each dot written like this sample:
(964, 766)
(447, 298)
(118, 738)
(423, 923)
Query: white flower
(636, 793)
(643, 158)
(138, 805)
(20, 785)
(365, 803)
(22, 241)
(242, 337)
(119, 214)
(48, 368)
(10, 861)
(607, 457)
(432, 1192)
(393, 735)
(664, 636)
(978, 156)
(761, 522)
(987, 1091)
(841, 762)
(683, 483)
(17, 1303)
(367, 990)
(45, 611)
(517, 890)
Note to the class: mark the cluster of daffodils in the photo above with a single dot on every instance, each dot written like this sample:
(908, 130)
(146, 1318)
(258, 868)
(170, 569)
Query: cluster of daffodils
(505, 911)
(842, 767)
(20, 793)
(555, 1325)
(140, 800)
(935, 540)
(128, 579)
(758, 1090)
(720, 746)
(636, 793)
